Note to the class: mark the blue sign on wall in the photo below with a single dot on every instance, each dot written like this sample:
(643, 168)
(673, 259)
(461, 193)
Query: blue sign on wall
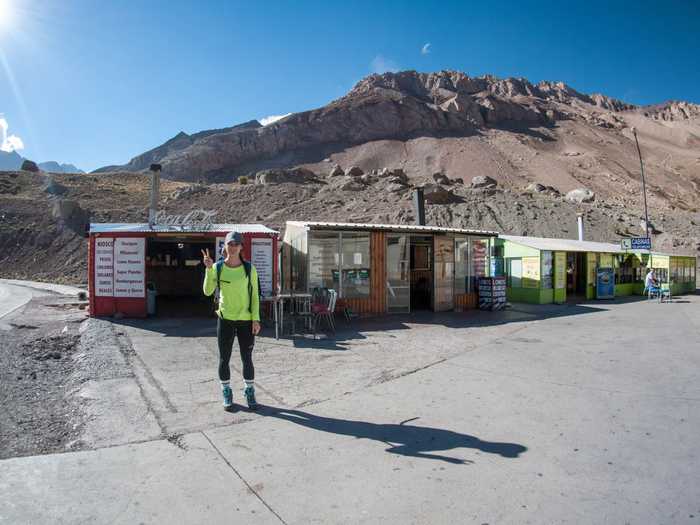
(605, 283)
(636, 243)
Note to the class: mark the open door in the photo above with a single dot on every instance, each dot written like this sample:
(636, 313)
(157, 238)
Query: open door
(444, 273)
(398, 273)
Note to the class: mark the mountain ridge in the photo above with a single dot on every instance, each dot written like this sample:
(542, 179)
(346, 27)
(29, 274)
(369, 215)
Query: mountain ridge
(391, 106)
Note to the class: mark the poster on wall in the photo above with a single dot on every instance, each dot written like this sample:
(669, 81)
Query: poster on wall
(219, 248)
(531, 272)
(129, 267)
(560, 270)
(605, 283)
(546, 269)
(104, 266)
(261, 257)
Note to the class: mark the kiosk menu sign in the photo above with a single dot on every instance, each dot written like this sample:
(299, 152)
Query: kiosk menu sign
(129, 267)
(261, 255)
(104, 267)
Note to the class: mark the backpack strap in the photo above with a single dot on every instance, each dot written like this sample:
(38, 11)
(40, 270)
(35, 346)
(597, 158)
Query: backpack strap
(246, 267)
(219, 265)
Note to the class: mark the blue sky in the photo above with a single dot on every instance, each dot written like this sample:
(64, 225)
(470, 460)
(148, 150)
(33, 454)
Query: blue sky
(97, 82)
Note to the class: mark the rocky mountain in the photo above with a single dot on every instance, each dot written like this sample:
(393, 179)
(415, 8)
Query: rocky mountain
(181, 141)
(54, 167)
(12, 161)
(496, 154)
(509, 129)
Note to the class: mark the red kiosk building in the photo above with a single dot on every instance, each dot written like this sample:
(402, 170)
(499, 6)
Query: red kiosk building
(132, 265)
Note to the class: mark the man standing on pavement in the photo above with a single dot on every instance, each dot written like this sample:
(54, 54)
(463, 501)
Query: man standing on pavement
(238, 313)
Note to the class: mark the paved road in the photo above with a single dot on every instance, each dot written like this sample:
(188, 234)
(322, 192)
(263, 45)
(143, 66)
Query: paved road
(13, 297)
(15, 293)
(546, 415)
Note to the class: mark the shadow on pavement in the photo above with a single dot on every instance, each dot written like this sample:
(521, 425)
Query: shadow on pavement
(403, 439)
(355, 329)
(359, 327)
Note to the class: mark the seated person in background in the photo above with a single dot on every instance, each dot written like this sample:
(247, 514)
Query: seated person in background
(651, 283)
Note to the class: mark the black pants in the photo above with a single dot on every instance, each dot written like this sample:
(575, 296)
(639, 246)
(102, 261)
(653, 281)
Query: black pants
(226, 331)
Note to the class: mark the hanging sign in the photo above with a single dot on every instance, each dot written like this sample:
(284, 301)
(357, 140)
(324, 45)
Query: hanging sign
(129, 267)
(531, 272)
(636, 243)
(261, 257)
(560, 270)
(104, 267)
(194, 220)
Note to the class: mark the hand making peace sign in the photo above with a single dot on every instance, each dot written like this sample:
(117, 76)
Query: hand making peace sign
(206, 258)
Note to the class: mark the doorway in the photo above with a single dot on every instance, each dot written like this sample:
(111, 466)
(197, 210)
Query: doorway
(174, 267)
(576, 276)
(409, 273)
(421, 272)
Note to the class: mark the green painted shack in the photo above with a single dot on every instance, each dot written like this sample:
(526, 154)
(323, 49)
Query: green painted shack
(543, 271)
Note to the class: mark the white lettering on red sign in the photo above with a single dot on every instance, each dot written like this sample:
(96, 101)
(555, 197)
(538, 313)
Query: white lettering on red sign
(104, 267)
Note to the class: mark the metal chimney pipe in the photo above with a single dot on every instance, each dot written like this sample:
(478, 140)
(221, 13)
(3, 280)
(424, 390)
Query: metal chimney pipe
(579, 219)
(419, 206)
(155, 192)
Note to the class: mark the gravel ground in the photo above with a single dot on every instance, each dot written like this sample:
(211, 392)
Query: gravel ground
(38, 345)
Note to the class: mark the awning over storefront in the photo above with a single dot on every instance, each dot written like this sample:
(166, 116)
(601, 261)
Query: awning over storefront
(564, 245)
(408, 228)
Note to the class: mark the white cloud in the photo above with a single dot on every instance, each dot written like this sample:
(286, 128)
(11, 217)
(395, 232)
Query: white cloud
(425, 50)
(381, 64)
(272, 118)
(9, 142)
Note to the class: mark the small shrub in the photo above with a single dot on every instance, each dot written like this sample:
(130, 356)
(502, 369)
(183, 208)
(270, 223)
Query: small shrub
(243, 180)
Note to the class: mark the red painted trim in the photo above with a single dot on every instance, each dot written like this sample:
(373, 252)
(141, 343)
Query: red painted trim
(136, 306)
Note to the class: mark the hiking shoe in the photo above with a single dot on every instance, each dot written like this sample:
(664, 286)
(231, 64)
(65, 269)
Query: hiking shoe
(228, 397)
(250, 398)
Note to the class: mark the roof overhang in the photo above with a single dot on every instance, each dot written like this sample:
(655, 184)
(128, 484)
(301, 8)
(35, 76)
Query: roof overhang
(126, 227)
(400, 228)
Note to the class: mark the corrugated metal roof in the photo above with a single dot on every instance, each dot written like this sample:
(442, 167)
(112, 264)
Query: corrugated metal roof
(132, 227)
(564, 245)
(572, 245)
(313, 225)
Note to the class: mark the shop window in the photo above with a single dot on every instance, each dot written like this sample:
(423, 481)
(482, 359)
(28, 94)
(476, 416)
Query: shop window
(674, 272)
(297, 264)
(355, 264)
(661, 274)
(515, 273)
(626, 272)
(324, 260)
(462, 273)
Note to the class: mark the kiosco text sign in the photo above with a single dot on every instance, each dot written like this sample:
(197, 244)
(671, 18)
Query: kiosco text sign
(129, 267)
(104, 267)
(120, 267)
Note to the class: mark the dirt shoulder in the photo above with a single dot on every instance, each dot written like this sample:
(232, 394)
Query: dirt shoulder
(39, 344)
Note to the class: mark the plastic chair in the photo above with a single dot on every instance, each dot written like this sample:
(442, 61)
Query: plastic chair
(652, 292)
(325, 311)
(305, 310)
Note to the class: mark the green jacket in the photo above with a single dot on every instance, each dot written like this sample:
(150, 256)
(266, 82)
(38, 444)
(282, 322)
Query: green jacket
(233, 295)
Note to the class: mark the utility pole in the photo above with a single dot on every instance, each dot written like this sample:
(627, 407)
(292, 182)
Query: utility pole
(644, 186)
